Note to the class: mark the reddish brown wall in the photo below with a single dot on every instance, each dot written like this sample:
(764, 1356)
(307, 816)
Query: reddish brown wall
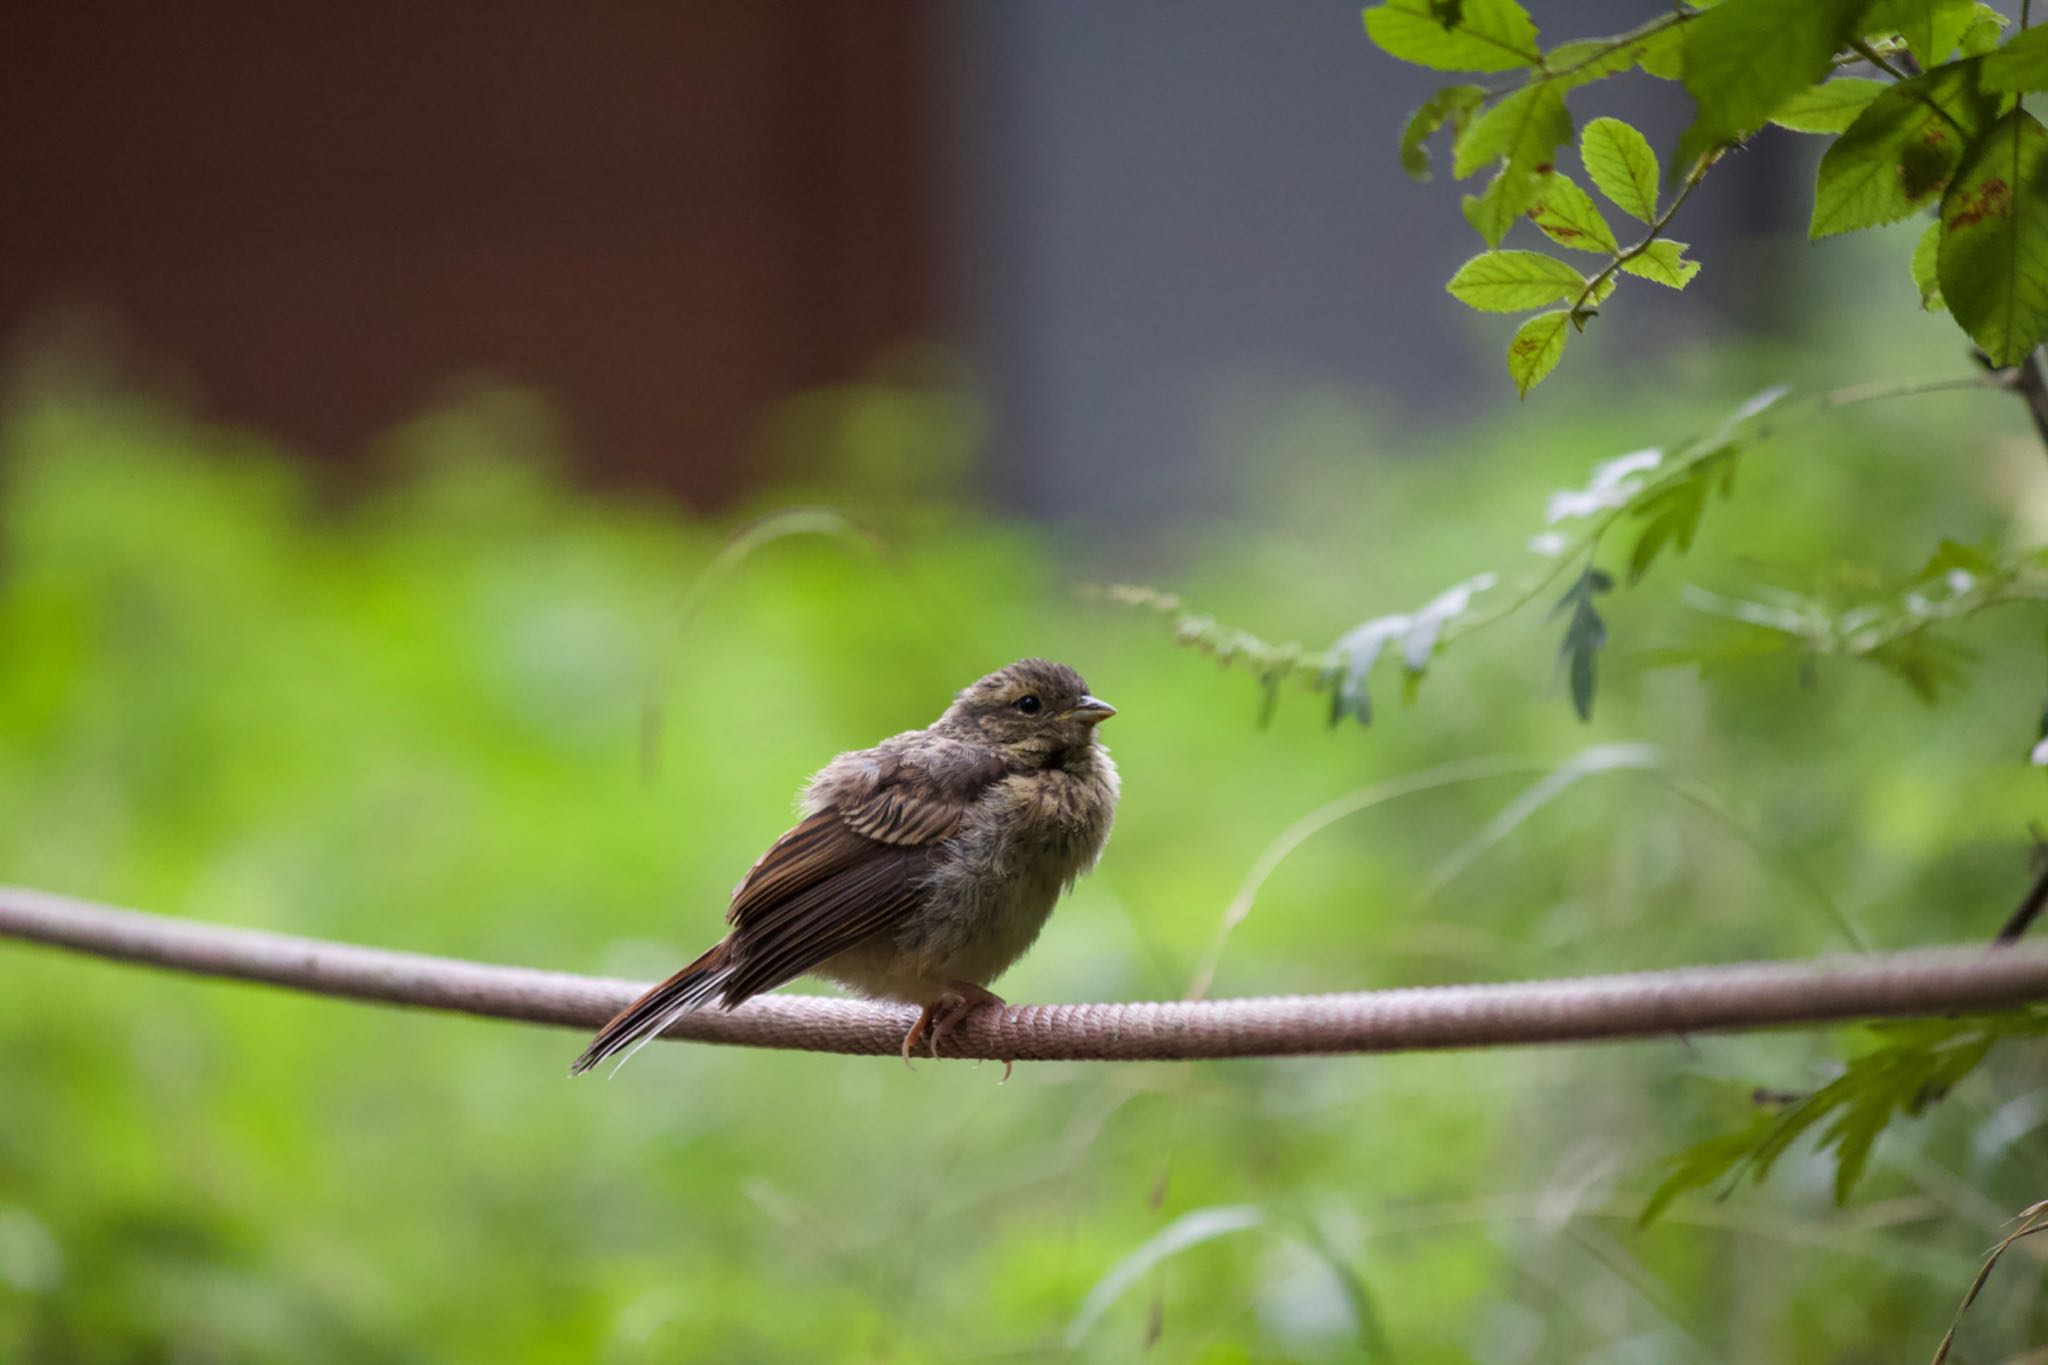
(667, 213)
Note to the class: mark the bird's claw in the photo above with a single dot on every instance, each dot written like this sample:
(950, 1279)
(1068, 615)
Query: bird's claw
(917, 1033)
(943, 1015)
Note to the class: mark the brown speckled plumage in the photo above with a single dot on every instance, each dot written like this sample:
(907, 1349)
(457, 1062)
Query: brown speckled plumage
(922, 868)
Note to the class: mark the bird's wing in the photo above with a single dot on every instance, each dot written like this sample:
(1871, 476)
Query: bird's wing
(851, 869)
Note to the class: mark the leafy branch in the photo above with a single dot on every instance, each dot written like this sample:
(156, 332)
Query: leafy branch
(1651, 239)
(1894, 629)
(1664, 494)
(1907, 1068)
(1954, 137)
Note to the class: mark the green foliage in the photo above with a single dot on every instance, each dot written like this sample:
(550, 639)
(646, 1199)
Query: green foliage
(1900, 151)
(1830, 107)
(405, 713)
(1451, 105)
(1930, 29)
(1744, 59)
(1898, 627)
(1536, 349)
(1663, 261)
(1908, 1067)
(2020, 65)
(1521, 133)
(1926, 252)
(1471, 35)
(1514, 281)
(1899, 140)
(1621, 163)
(1568, 216)
(1585, 635)
(1993, 258)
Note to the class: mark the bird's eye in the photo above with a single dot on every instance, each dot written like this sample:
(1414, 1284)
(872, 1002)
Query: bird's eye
(1028, 704)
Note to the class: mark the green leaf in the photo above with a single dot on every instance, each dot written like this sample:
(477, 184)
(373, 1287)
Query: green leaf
(1745, 58)
(1663, 261)
(1585, 60)
(1621, 163)
(1706, 1163)
(1981, 37)
(1521, 132)
(1662, 54)
(1496, 208)
(1524, 127)
(1534, 352)
(1931, 28)
(1453, 105)
(1924, 252)
(1511, 281)
(1487, 35)
(1900, 151)
(1829, 107)
(1993, 258)
(1568, 216)
(1585, 635)
(2021, 64)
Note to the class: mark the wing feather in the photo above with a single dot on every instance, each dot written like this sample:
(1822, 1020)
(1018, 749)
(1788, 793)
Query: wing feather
(851, 870)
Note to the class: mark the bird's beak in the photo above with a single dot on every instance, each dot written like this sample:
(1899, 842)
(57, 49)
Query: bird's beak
(1092, 710)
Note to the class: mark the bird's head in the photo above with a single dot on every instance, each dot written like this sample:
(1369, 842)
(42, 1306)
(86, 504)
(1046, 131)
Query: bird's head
(1035, 711)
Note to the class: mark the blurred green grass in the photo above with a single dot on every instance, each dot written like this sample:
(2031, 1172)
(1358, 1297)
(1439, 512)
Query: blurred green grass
(406, 714)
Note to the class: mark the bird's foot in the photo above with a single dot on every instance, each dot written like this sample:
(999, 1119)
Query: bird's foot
(961, 999)
(917, 1032)
(942, 1016)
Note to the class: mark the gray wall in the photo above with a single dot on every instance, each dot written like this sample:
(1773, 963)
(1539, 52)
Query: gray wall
(1164, 204)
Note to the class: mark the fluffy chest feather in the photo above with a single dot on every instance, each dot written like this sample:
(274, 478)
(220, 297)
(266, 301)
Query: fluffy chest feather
(994, 884)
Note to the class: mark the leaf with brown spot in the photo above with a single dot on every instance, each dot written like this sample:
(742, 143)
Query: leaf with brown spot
(1993, 259)
(1568, 216)
(1901, 150)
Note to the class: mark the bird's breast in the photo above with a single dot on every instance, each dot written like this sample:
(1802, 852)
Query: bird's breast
(994, 883)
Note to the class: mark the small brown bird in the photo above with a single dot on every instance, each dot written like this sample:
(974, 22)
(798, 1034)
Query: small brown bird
(922, 868)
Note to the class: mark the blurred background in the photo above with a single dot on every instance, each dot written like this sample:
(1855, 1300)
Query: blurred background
(376, 392)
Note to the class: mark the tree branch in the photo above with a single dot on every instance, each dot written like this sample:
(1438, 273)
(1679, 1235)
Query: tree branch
(1640, 1005)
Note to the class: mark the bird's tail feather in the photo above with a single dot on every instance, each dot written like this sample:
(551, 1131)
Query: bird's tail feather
(634, 1026)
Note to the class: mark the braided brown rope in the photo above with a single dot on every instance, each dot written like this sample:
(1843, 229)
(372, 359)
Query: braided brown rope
(1639, 1005)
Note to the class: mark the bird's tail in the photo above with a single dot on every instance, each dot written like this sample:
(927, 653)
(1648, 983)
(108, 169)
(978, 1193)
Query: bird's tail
(632, 1027)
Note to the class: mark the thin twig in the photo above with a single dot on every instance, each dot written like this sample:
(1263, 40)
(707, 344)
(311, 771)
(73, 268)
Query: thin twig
(1599, 54)
(2026, 380)
(2029, 906)
(1622, 258)
(1642, 1005)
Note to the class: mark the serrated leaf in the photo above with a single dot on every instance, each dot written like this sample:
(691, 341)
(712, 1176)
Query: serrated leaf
(1900, 151)
(1663, 262)
(1620, 161)
(1585, 635)
(1829, 107)
(1931, 28)
(1500, 205)
(1980, 39)
(2021, 64)
(1512, 281)
(1488, 35)
(1568, 216)
(1453, 105)
(1704, 1163)
(1993, 257)
(1924, 253)
(1745, 58)
(1524, 126)
(1535, 351)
